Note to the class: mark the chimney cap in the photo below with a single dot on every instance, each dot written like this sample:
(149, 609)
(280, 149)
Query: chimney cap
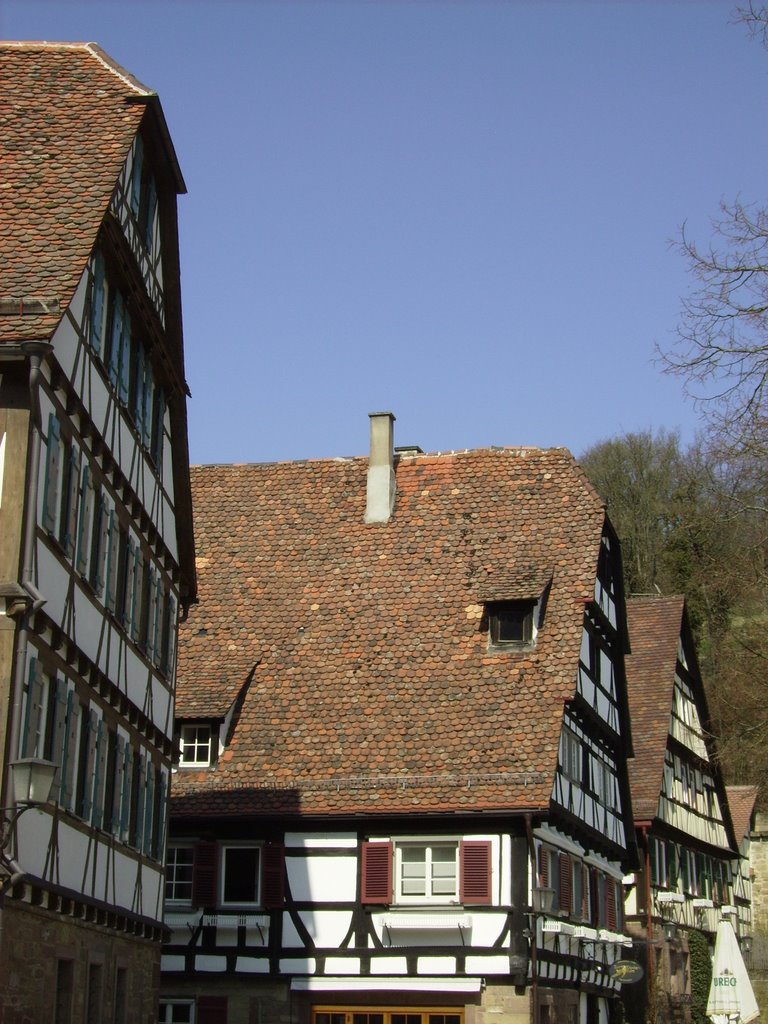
(390, 414)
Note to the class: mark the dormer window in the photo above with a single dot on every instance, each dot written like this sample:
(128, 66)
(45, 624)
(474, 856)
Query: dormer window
(511, 624)
(196, 745)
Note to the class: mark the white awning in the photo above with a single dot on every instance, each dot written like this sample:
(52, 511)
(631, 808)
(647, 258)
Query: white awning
(384, 984)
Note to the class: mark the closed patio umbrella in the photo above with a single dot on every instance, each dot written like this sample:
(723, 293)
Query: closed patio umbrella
(731, 998)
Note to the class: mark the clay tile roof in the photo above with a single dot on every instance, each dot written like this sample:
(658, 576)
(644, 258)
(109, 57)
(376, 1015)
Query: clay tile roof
(654, 631)
(741, 801)
(67, 121)
(369, 686)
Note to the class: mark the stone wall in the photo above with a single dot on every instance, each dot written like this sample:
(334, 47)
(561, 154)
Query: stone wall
(42, 952)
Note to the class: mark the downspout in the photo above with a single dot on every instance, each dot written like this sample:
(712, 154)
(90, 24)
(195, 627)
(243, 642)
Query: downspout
(648, 907)
(534, 925)
(36, 351)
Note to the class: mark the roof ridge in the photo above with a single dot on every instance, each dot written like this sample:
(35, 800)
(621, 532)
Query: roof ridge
(93, 49)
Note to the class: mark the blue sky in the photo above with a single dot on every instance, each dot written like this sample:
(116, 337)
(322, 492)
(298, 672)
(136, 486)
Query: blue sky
(456, 211)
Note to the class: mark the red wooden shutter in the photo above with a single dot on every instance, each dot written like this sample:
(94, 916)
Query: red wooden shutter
(543, 858)
(211, 1010)
(565, 882)
(594, 896)
(204, 875)
(585, 886)
(377, 873)
(273, 875)
(475, 863)
(610, 904)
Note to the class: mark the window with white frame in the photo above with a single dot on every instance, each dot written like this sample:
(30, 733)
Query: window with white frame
(427, 872)
(571, 756)
(176, 1011)
(195, 745)
(240, 874)
(178, 874)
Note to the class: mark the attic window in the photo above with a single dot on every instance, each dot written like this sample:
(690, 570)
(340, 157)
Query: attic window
(195, 745)
(510, 624)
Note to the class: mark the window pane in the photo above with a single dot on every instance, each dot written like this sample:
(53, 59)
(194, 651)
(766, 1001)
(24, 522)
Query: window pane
(443, 870)
(414, 870)
(241, 873)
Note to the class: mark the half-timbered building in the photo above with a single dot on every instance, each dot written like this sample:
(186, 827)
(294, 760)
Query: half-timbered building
(741, 803)
(96, 543)
(401, 793)
(685, 837)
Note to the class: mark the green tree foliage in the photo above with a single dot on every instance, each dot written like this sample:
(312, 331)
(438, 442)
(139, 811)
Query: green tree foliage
(701, 976)
(691, 522)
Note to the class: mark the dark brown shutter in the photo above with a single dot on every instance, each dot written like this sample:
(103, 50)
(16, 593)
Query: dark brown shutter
(610, 904)
(585, 880)
(377, 873)
(273, 875)
(204, 875)
(565, 882)
(475, 863)
(594, 896)
(543, 858)
(211, 1010)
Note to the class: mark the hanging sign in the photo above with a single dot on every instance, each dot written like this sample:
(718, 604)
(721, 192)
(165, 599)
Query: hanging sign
(626, 971)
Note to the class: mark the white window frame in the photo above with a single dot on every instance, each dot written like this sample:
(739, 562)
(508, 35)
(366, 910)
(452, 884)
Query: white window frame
(428, 896)
(223, 852)
(165, 1010)
(170, 873)
(571, 756)
(196, 760)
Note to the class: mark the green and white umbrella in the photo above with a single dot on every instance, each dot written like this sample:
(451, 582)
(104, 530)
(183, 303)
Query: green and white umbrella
(731, 999)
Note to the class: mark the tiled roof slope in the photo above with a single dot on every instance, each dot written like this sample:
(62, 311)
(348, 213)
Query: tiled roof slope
(654, 631)
(67, 118)
(373, 689)
(741, 801)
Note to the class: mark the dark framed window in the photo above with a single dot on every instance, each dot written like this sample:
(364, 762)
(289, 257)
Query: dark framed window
(240, 874)
(510, 624)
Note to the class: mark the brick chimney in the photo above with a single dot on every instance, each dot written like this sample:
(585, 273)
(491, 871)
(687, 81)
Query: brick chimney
(381, 471)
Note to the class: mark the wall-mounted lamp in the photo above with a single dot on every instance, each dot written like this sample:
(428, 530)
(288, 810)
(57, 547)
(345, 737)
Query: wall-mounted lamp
(670, 929)
(543, 900)
(746, 943)
(32, 779)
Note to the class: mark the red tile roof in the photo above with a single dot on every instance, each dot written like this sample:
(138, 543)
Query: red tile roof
(741, 801)
(654, 631)
(67, 120)
(373, 689)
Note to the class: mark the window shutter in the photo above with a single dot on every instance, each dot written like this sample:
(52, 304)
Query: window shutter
(129, 583)
(102, 544)
(52, 471)
(126, 344)
(204, 874)
(59, 734)
(586, 878)
(117, 788)
(149, 226)
(140, 791)
(475, 863)
(92, 726)
(273, 875)
(211, 1010)
(99, 773)
(70, 750)
(84, 523)
(69, 508)
(113, 560)
(376, 873)
(149, 806)
(594, 897)
(543, 859)
(115, 336)
(136, 169)
(565, 882)
(30, 745)
(158, 427)
(98, 302)
(610, 904)
(125, 814)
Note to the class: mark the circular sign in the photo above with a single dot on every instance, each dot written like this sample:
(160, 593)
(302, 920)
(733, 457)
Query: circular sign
(626, 971)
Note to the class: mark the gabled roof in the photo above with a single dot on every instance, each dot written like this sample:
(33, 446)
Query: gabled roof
(67, 121)
(741, 801)
(373, 688)
(655, 625)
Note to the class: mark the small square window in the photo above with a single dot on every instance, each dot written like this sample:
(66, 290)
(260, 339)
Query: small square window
(510, 624)
(195, 746)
